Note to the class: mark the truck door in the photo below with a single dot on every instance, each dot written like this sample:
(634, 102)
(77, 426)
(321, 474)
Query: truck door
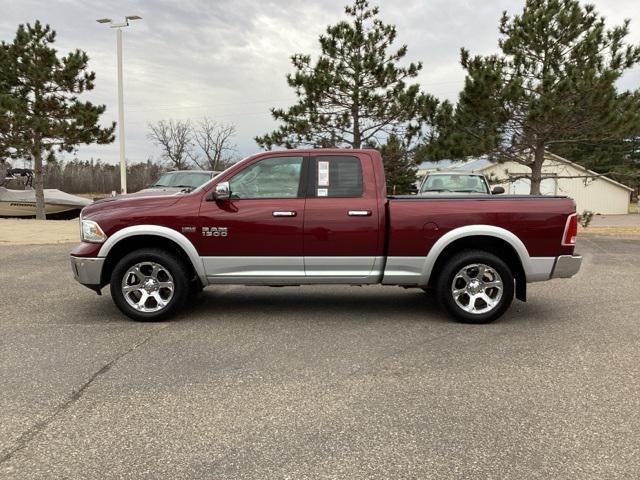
(257, 233)
(342, 227)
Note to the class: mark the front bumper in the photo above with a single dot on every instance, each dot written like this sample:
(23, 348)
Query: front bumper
(88, 271)
(566, 266)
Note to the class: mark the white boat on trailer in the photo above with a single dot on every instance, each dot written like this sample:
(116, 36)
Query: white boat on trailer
(22, 203)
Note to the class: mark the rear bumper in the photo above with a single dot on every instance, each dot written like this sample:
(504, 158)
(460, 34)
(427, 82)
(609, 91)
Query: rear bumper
(566, 266)
(87, 271)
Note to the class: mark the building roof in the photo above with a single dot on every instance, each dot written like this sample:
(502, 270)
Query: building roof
(468, 164)
(478, 164)
(590, 172)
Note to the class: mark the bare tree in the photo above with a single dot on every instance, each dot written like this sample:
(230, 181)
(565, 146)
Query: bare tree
(215, 141)
(174, 137)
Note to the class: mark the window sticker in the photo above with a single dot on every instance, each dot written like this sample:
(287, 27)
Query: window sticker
(323, 192)
(323, 174)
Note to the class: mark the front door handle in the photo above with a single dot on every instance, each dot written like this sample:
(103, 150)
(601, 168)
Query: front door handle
(288, 213)
(359, 213)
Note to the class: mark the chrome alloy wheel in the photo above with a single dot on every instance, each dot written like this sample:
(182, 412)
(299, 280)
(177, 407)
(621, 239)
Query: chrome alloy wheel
(148, 287)
(477, 288)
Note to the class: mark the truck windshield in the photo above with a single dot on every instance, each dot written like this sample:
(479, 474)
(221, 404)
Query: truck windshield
(182, 179)
(454, 183)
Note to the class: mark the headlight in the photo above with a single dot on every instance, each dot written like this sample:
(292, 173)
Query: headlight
(91, 232)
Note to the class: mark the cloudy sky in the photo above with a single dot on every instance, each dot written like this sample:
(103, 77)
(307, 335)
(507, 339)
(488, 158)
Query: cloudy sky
(227, 59)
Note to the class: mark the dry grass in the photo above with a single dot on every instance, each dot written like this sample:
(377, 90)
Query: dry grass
(632, 231)
(15, 231)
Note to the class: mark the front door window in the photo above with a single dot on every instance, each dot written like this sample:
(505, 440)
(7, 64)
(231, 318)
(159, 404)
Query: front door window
(275, 177)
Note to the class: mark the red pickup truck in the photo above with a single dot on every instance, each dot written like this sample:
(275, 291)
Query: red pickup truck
(322, 217)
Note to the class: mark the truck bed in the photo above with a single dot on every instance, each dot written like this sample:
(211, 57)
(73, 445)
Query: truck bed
(416, 223)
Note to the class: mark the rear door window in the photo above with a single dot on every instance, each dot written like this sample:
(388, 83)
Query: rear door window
(335, 176)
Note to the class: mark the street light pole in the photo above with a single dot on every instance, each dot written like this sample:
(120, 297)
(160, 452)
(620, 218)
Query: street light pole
(123, 162)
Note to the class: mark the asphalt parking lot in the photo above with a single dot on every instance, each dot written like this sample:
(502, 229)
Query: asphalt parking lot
(320, 382)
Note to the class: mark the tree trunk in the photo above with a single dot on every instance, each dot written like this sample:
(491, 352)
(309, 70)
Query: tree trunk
(356, 127)
(536, 169)
(4, 170)
(38, 179)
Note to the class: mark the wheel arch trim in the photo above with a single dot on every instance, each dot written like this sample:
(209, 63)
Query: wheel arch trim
(156, 230)
(530, 268)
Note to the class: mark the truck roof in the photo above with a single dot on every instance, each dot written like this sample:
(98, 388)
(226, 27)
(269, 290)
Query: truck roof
(330, 150)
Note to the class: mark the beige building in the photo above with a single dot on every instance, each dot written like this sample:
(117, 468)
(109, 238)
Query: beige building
(599, 194)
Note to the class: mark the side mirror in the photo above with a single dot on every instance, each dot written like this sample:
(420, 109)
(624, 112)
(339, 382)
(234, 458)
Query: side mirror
(413, 189)
(497, 190)
(221, 192)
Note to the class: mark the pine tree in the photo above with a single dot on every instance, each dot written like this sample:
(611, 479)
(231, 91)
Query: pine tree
(618, 159)
(356, 92)
(40, 111)
(553, 84)
(399, 166)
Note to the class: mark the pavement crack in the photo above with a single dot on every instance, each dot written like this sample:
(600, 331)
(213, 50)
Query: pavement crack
(26, 437)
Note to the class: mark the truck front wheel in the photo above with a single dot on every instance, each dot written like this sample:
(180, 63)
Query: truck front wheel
(475, 287)
(149, 284)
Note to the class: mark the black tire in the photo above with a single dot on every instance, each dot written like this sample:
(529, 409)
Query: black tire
(449, 274)
(179, 275)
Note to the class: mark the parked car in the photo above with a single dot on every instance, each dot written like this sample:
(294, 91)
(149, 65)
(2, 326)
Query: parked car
(456, 183)
(178, 180)
(299, 217)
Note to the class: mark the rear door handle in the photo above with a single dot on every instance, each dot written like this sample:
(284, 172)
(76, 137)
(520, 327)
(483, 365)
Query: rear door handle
(288, 213)
(359, 213)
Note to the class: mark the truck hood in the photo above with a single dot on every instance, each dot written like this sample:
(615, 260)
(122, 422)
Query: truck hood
(135, 201)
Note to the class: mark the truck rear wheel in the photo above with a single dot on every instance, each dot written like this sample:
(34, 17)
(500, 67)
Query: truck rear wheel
(149, 284)
(475, 287)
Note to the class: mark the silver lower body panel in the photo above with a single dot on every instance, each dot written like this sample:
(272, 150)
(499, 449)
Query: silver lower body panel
(229, 267)
(404, 271)
(293, 270)
(539, 269)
